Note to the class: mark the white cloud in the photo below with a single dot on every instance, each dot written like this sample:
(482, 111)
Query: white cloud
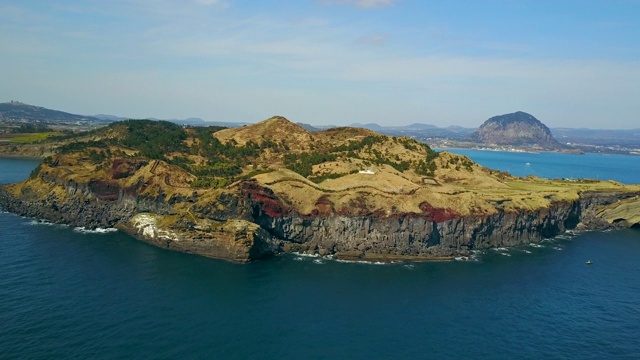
(363, 4)
(372, 40)
(211, 2)
(178, 59)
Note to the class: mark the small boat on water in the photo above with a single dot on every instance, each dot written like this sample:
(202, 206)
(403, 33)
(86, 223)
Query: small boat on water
(589, 262)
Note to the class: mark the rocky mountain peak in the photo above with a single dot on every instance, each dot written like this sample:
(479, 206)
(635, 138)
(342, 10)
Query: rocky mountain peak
(518, 129)
(276, 129)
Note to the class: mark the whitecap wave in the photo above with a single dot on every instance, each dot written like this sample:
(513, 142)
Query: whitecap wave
(505, 254)
(306, 255)
(536, 245)
(84, 230)
(557, 248)
(41, 222)
(298, 258)
(362, 262)
(475, 255)
(318, 261)
(500, 249)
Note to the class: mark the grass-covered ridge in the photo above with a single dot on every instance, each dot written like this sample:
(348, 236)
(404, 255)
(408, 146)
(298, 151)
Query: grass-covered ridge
(218, 156)
(346, 171)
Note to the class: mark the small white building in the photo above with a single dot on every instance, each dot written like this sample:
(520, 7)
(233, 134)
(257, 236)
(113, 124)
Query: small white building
(368, 172)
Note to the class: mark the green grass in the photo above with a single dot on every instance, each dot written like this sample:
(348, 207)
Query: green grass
(33, 138)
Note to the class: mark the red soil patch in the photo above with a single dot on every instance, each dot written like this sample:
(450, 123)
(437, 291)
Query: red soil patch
(438, 214)
(105, 190)
(268, 201)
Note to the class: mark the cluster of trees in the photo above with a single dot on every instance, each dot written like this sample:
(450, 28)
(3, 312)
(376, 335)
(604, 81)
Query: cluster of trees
(351, 146)
(218, 169)
(153, 139)
(427, 167)
(214, 150)
(210, 181)
(458, 162)
(303, 163)
(81, 146)
(320, 178)
(31, 128)
(98, 156)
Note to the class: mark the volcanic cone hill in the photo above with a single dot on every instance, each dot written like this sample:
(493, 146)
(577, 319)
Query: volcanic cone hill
(517, 129)
(251, 192)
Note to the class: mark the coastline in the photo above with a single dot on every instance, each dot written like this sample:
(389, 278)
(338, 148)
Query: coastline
(20, 157)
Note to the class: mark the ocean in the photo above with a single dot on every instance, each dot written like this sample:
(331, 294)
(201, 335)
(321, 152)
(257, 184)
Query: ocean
(68, 293)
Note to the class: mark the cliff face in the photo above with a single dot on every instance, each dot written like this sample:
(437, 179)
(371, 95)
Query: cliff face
(248, 193)
(420, 236)
(518, 129)
(254, 223)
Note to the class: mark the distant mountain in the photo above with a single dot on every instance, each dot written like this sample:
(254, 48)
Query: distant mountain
(370, 126)
(189, 121)
(20, 112)
(460, 130)
(308, 127)
(517, 129)
(629, 138)
(420, 126)
(111, 118)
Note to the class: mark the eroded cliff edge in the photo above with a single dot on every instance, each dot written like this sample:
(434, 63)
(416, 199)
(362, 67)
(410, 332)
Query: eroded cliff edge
(248, 193)
(250, 221)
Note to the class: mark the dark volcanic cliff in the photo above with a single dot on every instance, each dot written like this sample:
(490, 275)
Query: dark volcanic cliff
(248, 193)
(256, 224)
(517, 129)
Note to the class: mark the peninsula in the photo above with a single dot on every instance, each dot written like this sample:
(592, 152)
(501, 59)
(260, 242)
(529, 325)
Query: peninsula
(250, 192)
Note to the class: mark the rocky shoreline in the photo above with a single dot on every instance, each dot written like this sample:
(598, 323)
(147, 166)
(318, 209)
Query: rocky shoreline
(251, 229)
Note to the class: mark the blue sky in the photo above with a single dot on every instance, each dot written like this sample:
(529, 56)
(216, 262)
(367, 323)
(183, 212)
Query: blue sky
(392, 62)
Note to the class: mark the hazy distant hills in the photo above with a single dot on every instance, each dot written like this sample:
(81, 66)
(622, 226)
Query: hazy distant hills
(20, 112)
(516, 128)
(419, 130)
(16, 111)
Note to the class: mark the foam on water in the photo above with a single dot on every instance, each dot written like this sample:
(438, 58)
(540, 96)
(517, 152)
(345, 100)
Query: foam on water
(500, 249)
(84, 230)
(364, 262)
(306, 255)
(42, 222)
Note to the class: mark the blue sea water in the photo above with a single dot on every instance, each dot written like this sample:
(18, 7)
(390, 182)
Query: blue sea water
(74, 295)
(622, 168)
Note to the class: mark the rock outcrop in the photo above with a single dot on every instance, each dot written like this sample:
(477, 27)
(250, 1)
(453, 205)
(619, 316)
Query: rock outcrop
(248, 193)
(253, 223)
(516, 129)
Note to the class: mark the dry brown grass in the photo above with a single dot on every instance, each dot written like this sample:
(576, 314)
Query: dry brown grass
(457, 184)
(274, 129)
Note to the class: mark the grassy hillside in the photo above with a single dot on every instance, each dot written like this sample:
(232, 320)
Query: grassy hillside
(219, 156)
(311, 173)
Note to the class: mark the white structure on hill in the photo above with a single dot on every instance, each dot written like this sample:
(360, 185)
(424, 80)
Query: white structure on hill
(368, 172)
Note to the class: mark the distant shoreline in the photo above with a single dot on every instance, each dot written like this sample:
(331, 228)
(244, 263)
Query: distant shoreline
(20, 157)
